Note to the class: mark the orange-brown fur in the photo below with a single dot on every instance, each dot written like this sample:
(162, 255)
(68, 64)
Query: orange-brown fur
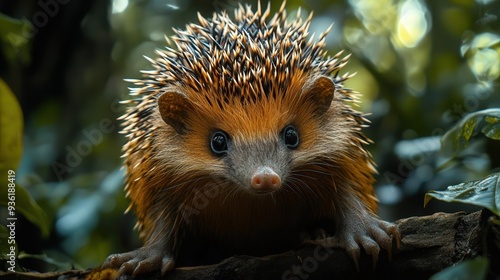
(251, 90)
(348, 164)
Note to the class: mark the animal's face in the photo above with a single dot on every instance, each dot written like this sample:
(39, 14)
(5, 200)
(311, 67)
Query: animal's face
(255, 143)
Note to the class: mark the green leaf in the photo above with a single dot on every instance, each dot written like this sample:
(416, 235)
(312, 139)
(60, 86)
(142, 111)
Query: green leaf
(484, 193)
(45, 258)
(11, 140)
(458, 137)
(26, 206)
(15, 38)
(469, 269)
(10, 25)
(11, 129)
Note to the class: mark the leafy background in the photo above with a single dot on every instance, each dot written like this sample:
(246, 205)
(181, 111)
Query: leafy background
(422, 66)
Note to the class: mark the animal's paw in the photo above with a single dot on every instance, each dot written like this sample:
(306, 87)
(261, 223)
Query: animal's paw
(143, 260)
(364, 231)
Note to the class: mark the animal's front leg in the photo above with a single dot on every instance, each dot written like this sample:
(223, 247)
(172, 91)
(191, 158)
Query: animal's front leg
(356, 227)
(157, 254)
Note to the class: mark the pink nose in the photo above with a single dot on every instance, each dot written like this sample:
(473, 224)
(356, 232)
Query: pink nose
(265, 180)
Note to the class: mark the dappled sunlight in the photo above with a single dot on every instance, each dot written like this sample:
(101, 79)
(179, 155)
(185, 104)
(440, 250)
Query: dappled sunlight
(483, 55)
(392, 35)
(376, 16)
(119, 6)
(412, 24)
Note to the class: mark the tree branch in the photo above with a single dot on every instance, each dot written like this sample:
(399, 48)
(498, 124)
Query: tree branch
(429, 244)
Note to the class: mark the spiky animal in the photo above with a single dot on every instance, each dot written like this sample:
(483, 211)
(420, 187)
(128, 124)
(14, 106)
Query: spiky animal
(240, 139)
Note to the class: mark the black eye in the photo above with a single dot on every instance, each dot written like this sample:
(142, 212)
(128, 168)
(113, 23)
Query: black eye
(218, 143)
(291, 137)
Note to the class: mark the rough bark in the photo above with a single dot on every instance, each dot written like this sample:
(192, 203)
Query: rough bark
(429, 244)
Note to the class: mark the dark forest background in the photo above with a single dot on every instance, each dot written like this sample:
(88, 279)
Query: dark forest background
(421, 67)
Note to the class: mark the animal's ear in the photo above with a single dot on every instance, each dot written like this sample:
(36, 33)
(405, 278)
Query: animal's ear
(319, 93)
(174, 108)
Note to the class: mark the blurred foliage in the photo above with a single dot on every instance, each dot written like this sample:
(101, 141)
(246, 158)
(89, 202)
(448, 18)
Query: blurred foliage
(15, 46)
(11, 121)
(421, 67)
(11, 126)
(457, 139)
(484, 193)
(28, 207)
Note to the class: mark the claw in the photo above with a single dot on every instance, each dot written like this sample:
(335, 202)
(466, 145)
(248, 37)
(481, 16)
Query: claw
(354, 253)
(393, 231)
(371, 248)
(168, 264)
(143, 266)
(127, 268)
(395, 236)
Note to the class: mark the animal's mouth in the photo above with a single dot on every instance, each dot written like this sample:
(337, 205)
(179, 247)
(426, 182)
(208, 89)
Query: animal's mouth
(263, 192)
